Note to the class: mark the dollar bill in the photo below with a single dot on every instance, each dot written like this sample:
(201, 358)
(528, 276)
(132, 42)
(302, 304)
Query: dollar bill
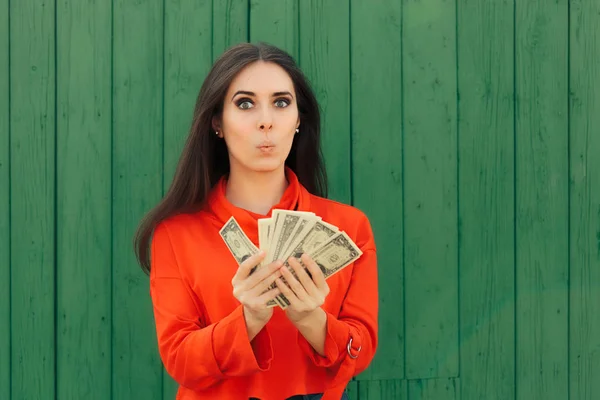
(240, 246)
(319, 234)
(336, 254)
(236, 240)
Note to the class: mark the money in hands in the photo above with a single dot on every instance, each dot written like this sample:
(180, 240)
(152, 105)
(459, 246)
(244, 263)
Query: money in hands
(290, 234)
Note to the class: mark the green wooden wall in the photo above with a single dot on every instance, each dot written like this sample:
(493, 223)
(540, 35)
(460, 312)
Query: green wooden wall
(468, 131)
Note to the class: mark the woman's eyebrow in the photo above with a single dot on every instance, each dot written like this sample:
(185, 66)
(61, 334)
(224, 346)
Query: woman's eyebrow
(254, 94)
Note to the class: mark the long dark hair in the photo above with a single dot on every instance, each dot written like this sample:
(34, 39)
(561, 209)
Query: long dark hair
(204, 159)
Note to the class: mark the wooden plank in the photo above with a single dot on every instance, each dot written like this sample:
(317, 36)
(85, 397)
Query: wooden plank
(137, 186)
(486, 199)
(275, 22)
(230, 24)
(377, 165)
(584, 329)
(352, 390)
(542, 200)
(434, 389)
(32, 197)
(83, 195)
(325, 59)
(430, 188)
(188, 49)
(4, 204)
(383, 389)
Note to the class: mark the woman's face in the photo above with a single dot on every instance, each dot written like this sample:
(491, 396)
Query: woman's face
(260, 117)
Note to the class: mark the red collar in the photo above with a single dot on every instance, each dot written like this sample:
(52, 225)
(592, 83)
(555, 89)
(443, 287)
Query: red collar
(295, 197)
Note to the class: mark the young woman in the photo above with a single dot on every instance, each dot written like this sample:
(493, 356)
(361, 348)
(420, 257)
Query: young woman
(254, 147)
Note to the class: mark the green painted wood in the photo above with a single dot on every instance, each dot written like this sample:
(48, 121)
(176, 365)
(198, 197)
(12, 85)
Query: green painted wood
(83, 192)
(352, 390)
(486, 199)
(542, 234)
(32, 201)
(324, 58)
(188, 53)
(383, 389)
(435, 389)
(137, 179)
(430, 188)
(584, 312)
(275, 22)
(376, 152)
(5, 359)
(230, 24)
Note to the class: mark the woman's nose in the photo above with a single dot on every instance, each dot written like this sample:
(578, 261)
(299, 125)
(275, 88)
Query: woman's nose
(265, 122)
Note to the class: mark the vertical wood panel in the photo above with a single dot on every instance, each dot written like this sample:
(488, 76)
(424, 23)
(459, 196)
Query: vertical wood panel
(352, 390)
(585, 200)
(377, 164)
(435, 389)
(486, 199)
(275, 22)
(230, 24)
(83, 200)
(542, 200)
(137, 186)
(4, 204)
(325, 58)
(382, 389)
(32, 147)
(430, 199)
(188, 50)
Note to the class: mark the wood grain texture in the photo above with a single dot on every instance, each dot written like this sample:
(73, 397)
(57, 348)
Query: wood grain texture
(584, 312)
(434, 389)
(383, 389)
(352, 390)
(230, 24)
(377, 165)
(486, 199)
(83, 209)
(275, 22)
(5, 359)
(137, 178)
(430, 188)
(325, 58)
(188, 54)
(32, 201)
(542, 211)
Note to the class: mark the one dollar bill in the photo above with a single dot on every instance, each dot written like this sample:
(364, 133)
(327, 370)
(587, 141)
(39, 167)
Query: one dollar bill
(336, 254)
(240, 246)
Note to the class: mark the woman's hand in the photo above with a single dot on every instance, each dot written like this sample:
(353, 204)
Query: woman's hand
(306, 293)
(251, 289)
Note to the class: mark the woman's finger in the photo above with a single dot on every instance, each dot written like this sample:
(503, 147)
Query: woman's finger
(315, 271)
(263, 273)
(266, 283)
(269, 295)
(246, 266)
(303, 277)
(287, 292)
(293, 283)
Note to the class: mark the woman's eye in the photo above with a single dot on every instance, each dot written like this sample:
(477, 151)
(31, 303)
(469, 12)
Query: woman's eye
(282, 103)
(244, 104)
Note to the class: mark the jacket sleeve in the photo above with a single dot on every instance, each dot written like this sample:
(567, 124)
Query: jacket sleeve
(356, 326)
(195, 353)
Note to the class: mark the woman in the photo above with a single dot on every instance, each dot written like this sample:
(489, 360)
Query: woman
(254, 147)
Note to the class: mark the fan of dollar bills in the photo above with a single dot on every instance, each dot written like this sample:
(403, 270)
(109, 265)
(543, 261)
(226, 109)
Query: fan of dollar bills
(293, 233)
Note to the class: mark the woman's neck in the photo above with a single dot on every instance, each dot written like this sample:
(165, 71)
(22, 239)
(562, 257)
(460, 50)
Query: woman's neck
(257, 192)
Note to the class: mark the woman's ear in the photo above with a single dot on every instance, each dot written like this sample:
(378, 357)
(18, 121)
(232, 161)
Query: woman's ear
(216, 123)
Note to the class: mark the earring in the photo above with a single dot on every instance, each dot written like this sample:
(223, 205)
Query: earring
(217, 133)
(297, 130)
